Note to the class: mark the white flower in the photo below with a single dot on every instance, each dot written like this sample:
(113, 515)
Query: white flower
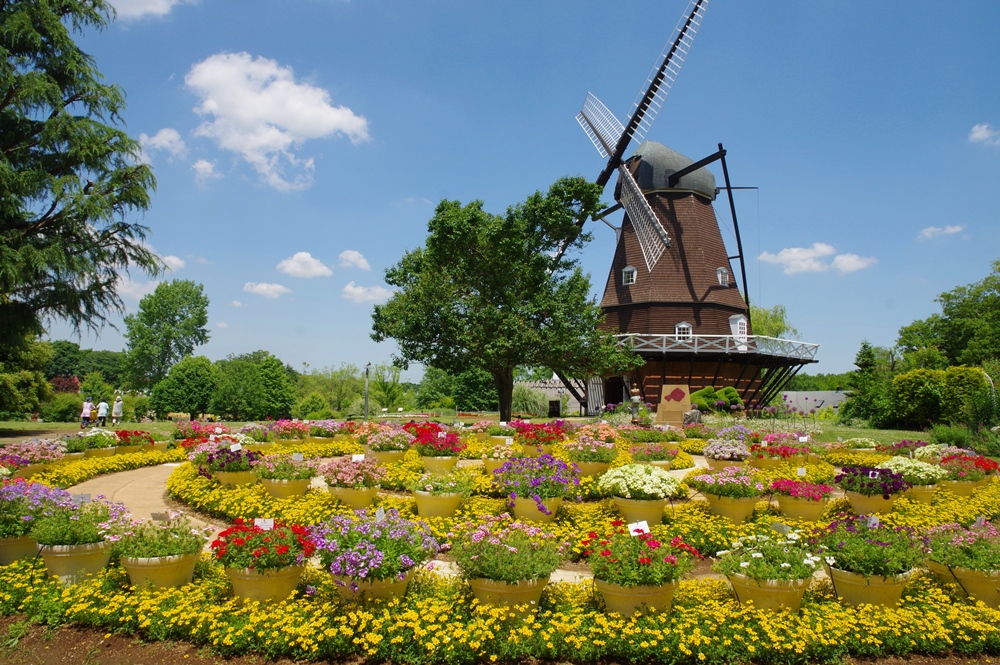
(830, 560)
(757, 555)
(793, 536)
(744, 564)
(786, 565)
(719, 553)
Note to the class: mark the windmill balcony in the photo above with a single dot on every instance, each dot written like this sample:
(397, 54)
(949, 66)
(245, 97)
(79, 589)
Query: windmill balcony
(715, 344)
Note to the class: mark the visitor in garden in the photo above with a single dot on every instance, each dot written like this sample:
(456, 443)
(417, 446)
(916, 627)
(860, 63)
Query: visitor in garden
(88, 407)
(102, 413)
(117, 410)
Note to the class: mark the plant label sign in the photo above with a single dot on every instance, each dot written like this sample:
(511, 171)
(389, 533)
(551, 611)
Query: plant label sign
(358, 458)
(218, 430)
(873, 522)
(783, 529)
(236, 447)
(159, 517)
(380, 514)
(80, 499)
(503, 423)
(803, 439)
(298, 457)
(509, 441)
(637, 528)
(801, 471)
(264, 523)
(980, 522)
(211, 437)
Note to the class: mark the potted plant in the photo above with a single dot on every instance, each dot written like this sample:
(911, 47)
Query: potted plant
(922, 476)
(440, 494)
(506, 562)
(355, 483)
(131, 441)
(771, 572)
(655, 454)
(259, 432)
(720, 453)
(161, 554)
(635, 570)
(536, 485)
(731, 492)
(869, 562)
(608, 434)
(389, 445)
(905, 448)
(373, 556)
(640, 491)
(871, 490)
(970, 556)
(72, 538)
(439, 450)
(538, 439)
(263, 561)
(283, 475)
(495, 456)
(289, 430)
(33, 456)
(771, 455)
(21, 503)
(592, 456)
(76, 449)
(967, 473)
(802, 500)
(228, 467)
(100, 442)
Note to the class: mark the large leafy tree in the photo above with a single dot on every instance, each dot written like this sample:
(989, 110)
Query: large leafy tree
(23, 387)
(70, 177)
(170, 323)
(253, 386)
(487, 291)
(188, 388)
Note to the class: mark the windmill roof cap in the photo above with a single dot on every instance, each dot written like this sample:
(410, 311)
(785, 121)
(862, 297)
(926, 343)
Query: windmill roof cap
(660, 162)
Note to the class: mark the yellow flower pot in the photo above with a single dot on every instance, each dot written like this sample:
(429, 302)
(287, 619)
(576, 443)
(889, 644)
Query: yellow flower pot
(160, 572)
(16, 547)
(523, 596)
(99, 452)
(387, 457)
(626, 601)
(592, 469)
(965, 487)
(920, 493)
(771, 595)
(264, 585)
(502, 440)
(719, 464)
(527, 509)
(439, 464)
(72, 563)
(349, 589)
(858, 589)
(259, 447)
(125, 450)
(766, 462)
(637, 510)
(29, 470)
(870, 505)
(536, 451)
(941, 571)
(981, 585)
(492, 465)
(437, 505)
(736, 511)
(357, 498)
(72, 457)
(481, 436)
(800, 508)
(234, 478)
(282, 489)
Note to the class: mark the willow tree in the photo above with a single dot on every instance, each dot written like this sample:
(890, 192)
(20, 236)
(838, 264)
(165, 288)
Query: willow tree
(494, 292)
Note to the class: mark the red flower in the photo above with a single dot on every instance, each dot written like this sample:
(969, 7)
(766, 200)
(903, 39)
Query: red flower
(605, 552)
(645, 560)
(653, 544)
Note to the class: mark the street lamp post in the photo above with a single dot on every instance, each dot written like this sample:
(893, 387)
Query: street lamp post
(367, 370)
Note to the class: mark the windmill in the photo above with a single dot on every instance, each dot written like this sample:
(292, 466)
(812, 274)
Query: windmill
(669, 294)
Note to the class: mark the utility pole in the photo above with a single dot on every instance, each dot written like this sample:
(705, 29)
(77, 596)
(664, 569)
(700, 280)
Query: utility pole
(367, 370)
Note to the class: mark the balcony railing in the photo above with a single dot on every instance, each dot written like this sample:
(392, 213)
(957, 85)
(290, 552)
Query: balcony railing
(712, 344)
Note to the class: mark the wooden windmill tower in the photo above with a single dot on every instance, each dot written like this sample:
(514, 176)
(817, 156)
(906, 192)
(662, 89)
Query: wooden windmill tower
(671, 293)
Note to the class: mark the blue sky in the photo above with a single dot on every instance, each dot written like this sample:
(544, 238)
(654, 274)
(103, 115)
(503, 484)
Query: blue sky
(301, 146)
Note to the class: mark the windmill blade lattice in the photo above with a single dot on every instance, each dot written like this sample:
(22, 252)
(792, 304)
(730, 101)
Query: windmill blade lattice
(601, 125)
(652, 238)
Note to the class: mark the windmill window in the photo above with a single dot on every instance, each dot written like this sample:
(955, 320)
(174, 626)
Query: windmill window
(739, 328)
(723, 276)
(683, 331)
(628, 276)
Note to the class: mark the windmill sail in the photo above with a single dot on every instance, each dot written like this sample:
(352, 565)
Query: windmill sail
(652, 238)
(601, 125)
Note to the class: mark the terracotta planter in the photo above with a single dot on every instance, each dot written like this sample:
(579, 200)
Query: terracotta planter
(719, 464)
(437, 505)
(125, 450)
(29, 470)
(72, 457)
(264, 585)
(736, 511)
(771, 595)
(626, 601)
(870, 505)
(72, 563)
(592, 469)
(523, 596)
(282, 489)
(17, 547)
(981, 585)
(99, 452)
(536, 451)
(527, 509)
(800, 508)
(387, 457)
(492, 465)
(356, 498)
(857, 589)
(920, 493)
(234, 478)
(348, 589)
(160, 572)
(964, 487)
(637, 510)
(436, 464)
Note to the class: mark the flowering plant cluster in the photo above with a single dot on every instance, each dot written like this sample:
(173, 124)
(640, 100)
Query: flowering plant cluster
(738, 433)
(781, 438)
(588, 449)
(363, 430)
(865, 546)
(935, 452)
(173, 537)
(389, 440)
(329, 428)
(652, 452)
(871, 482)
(641, 482)
(733, 482)
(916, 472)
(761, 451)
(439, 444)
(530, 434)
(637, 560)
(600, 431)
(21, 503)
(480, 427)
(967, 467)
(800, 489)
(284, 467)
(373, 548)
(289, 429)
(726, 450)
(976, 547)
(246, 545)
(761, 557)
(905, 447)
(133, 437)
(643, 435)
(500, 430)
(455, 482)
(355, 474)
(224, 459)
(859, 443)
(35, 451)
(188, 429)
(497, 548)
(259, 432)
(540, 478)
(74, 524)
(501, 451)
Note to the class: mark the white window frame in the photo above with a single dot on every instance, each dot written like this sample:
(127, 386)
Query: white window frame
(739, 327)
(683, 331)
(722, 274)
(629, 272)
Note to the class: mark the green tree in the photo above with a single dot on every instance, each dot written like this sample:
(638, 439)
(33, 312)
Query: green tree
(476, 391)
(386, 390)
(436, 390)
(108, 363)
(188, 388)
(871, 386)
(772, 322)
(313, 407)
(66, 359)
(169, 325)
(486, 291)
(526, 400)
(94, 386)
(69, 176)
(253, 386)
(340, 386)
(23, 387)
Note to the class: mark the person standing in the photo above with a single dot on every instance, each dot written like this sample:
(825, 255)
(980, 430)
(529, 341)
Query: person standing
(117, 410)
(88, 408)
(102, 413)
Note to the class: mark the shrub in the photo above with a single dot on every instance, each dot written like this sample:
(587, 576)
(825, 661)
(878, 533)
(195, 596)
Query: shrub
(953, 435)
(64, 408)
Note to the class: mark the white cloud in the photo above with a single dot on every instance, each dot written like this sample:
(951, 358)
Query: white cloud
(167, 140)
(984, 133)
(258, 110)
(133, 9)
(132, 290)
(266, 290)
(933, 231)
(175, 263)
(350, 258)
(222, 324)
(360, 294)
(812, 259)
(204, 171)
(304, 265)
(237, 303)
